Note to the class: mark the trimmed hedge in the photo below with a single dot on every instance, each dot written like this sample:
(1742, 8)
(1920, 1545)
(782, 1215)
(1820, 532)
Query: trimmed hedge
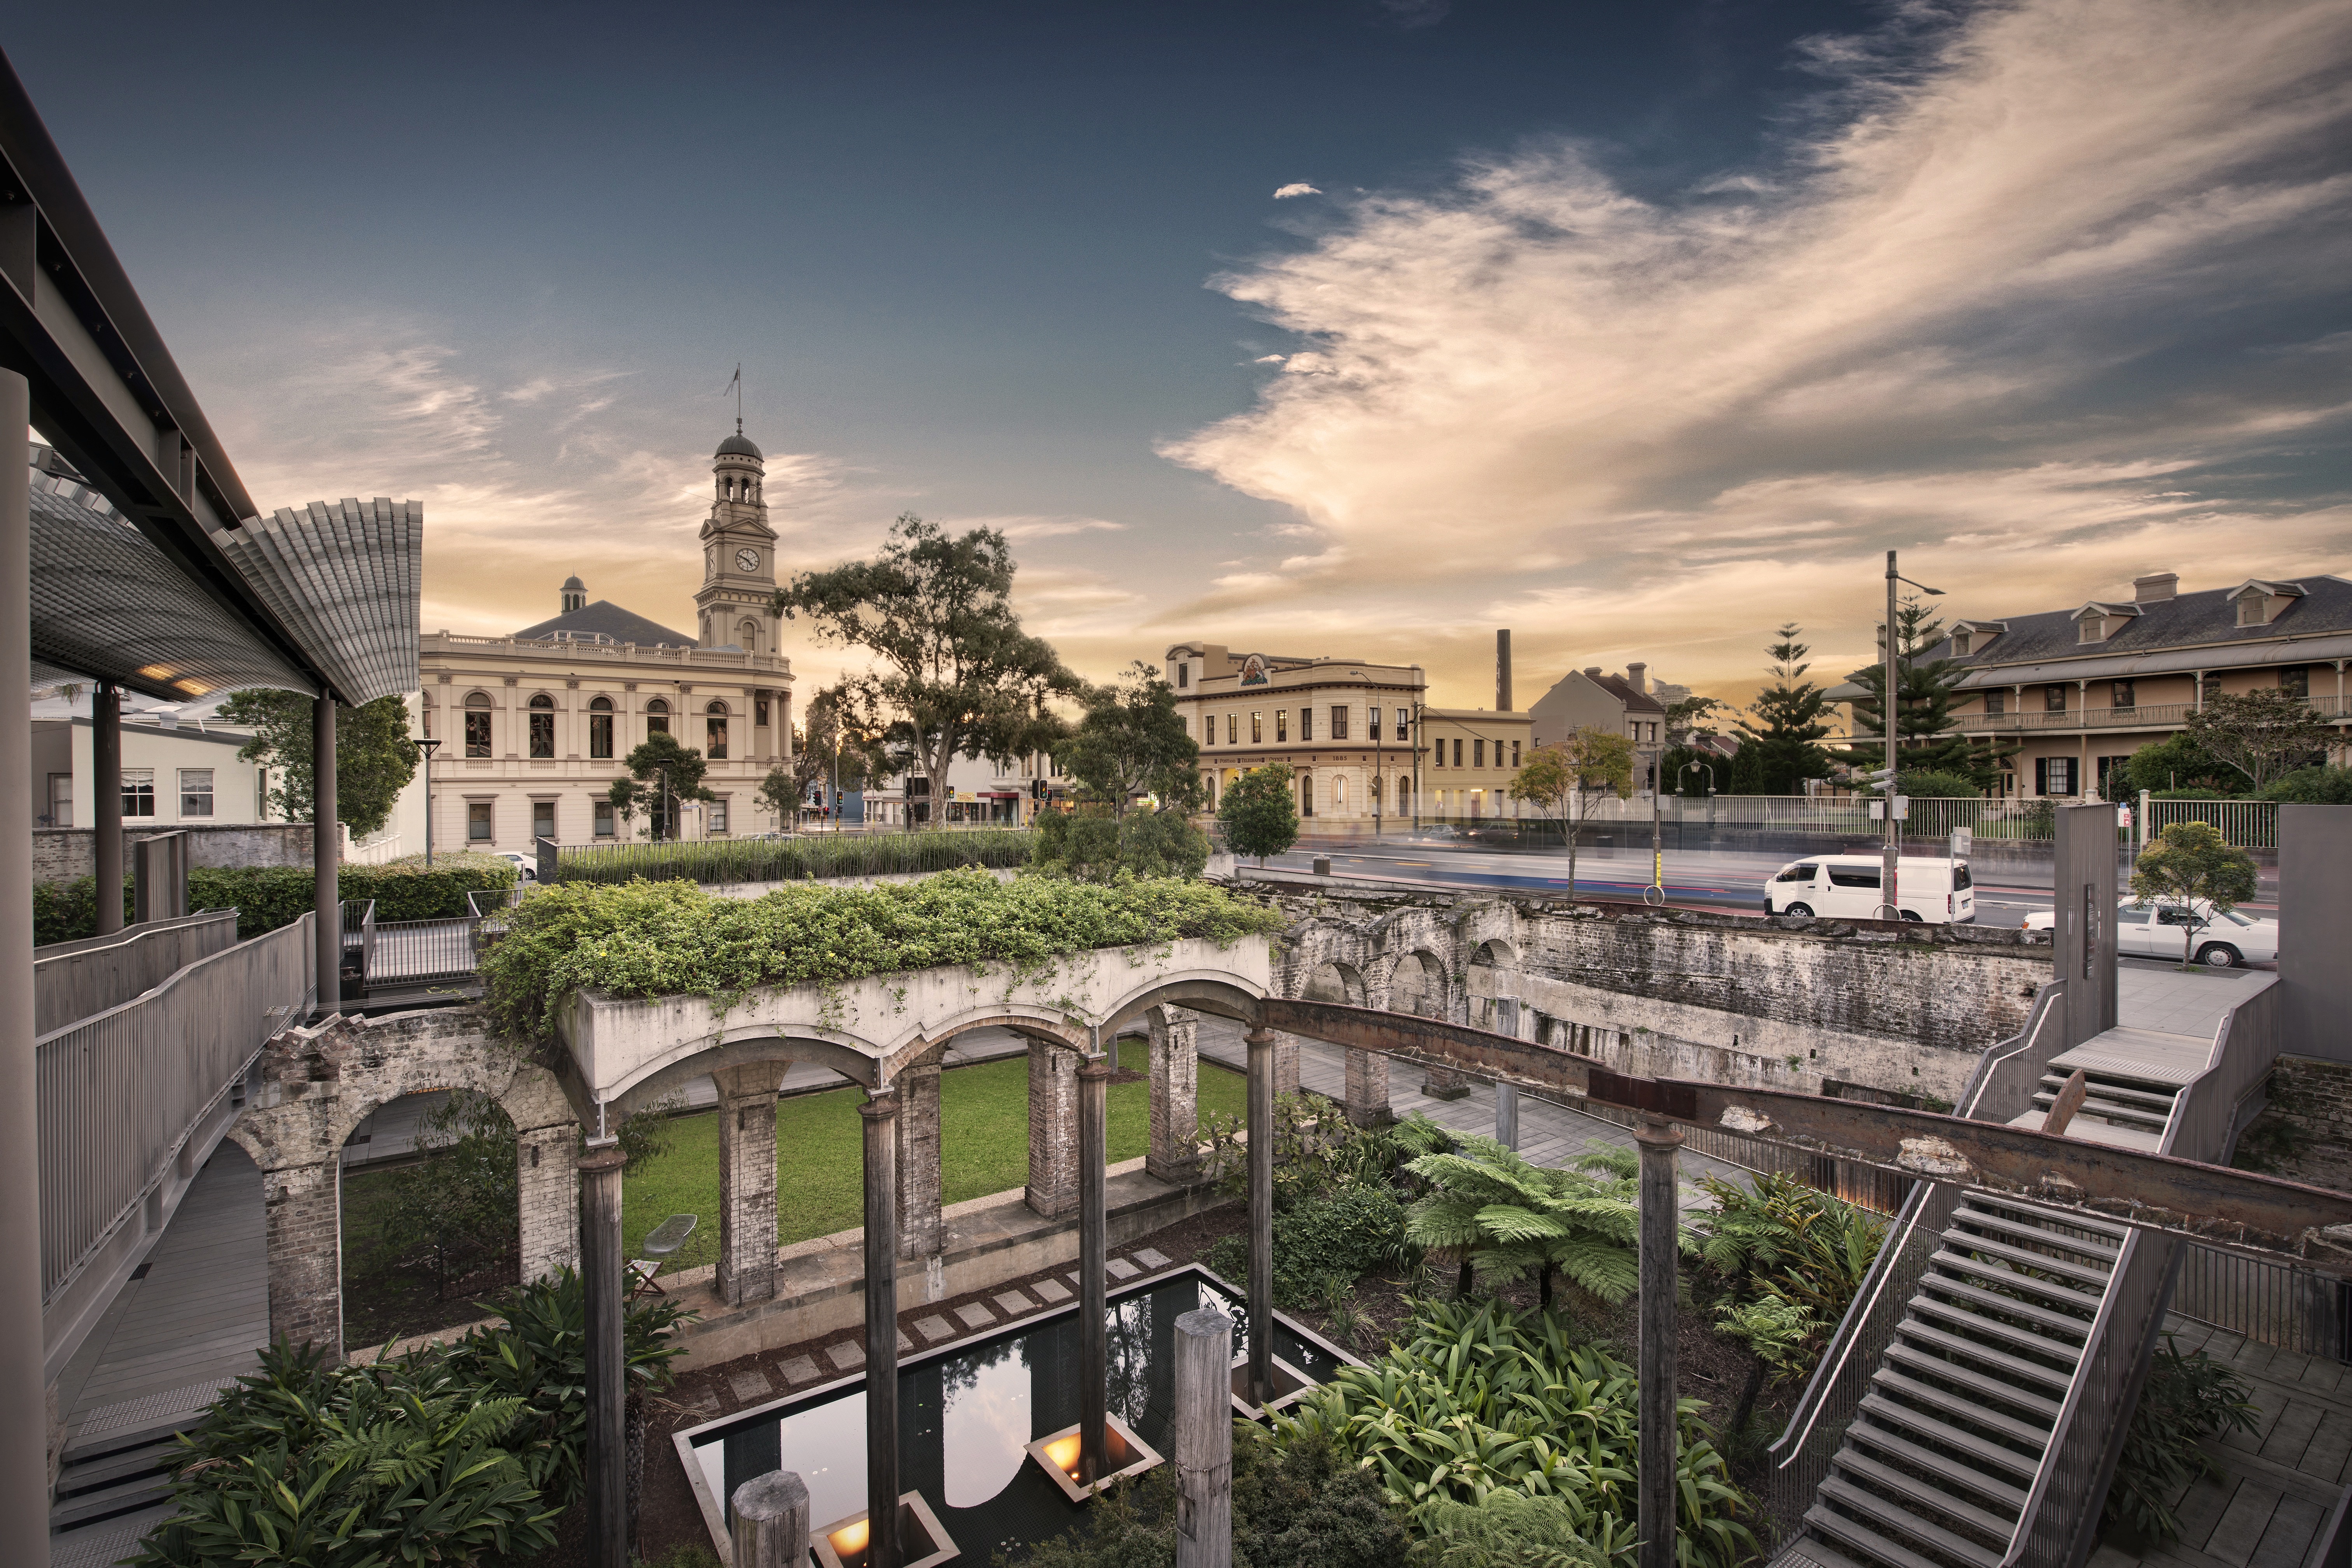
(267, 896)
(800, 858)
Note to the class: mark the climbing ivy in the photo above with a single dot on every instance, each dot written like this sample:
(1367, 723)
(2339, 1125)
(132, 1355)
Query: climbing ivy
(672, 939)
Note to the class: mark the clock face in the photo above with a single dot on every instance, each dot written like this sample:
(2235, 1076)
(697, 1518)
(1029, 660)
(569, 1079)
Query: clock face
(747, 561)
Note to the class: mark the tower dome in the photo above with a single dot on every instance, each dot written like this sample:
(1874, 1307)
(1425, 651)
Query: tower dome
(737, 446)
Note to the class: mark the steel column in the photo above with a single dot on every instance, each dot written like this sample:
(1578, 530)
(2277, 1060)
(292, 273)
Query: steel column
(326, 896)
(1260, 1041)
(1093, 1229)
(24, 1437)
(105, 802)
(601, 1286)
(1661, 1218)
(881, 1123)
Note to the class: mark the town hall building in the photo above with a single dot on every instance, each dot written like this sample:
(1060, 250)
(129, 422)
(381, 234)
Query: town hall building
(534, 727)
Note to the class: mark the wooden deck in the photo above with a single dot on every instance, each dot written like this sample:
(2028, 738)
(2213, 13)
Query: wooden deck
(2280, 1482)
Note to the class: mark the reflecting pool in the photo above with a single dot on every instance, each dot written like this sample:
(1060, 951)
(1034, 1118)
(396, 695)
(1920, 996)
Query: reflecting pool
(967, 1412)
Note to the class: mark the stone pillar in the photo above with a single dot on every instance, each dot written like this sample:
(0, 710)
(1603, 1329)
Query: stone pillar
(1367, 1094)
(1261, 1042)
(1507, 1095)
(547, 1162)
(105, 802)
(1444, 1083)
(1175, 1153)
(605, 1469)
(303, 1227)
(747, 1181)
(1053, 1189)
(880, 1114)
(920, 1231)
(326, 896)
(1285, 1063)
(1661, 1217)
(1094, 1236)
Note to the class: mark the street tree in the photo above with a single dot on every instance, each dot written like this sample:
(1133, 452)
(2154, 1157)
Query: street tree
(2191, 865)
(374, 758)
(1926, 690)
(2262, 734)
(957, 674)
(1568, 775)
(1131, 742)
(2180, 761)
(662, 773)
(1259, 813)
(1782, 747)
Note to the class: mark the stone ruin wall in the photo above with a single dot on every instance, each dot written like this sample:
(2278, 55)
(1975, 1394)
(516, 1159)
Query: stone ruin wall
(1791, 1004)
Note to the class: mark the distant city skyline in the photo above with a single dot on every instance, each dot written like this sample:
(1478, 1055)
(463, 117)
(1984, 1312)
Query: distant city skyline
(1351, 328)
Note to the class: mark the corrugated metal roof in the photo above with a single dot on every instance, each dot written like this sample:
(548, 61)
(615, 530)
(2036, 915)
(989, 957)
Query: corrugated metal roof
(345, 579)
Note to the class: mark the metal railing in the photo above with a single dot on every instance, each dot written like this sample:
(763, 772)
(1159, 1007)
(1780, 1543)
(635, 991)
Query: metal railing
(2248, 824)
(2002, 1088)
(2210, 1110)
(1864, 1186)
(423, 949)
(359, 934)
(119, 1092)
(73, 980)
(2269, 1301)
(2151, 715)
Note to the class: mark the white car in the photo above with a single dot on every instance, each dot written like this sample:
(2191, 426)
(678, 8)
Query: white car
(1845, 887)
(2158, 930)
(525, 865)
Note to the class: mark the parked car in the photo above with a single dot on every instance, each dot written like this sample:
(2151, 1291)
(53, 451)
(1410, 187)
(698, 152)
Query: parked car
(525, 865)
(1845, 887)
(2166, 930)
(1439, 833)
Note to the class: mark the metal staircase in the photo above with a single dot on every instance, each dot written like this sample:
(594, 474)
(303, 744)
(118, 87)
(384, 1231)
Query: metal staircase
(1936, 1467)
(2139, 1104)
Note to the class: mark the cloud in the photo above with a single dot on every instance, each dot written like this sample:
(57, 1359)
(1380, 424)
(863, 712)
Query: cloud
(1295, 188)
(1039, 527)
(1269, 359)
(2047, 294)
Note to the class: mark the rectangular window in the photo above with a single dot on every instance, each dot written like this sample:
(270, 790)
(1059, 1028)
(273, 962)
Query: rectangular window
(759, 712)
(1400, 725)
(1372, 722)
(1996, 701)
(60, 801)
(2053, 698)
(1339, 721)
(2296, 681)
(1184, 678)
(477, 733)
(1515, 753)
(478, 821)
(2125, 695)
(1457, 752)
(1477, 754)
(195, 792)
(655, 724)
(1282, 723)
(719, 816)
(139, 792)
(604, 819)
(1306, 723)
(2054, 775)
(714, 737)
(1257, 729)
(542, 819)
(600, 735)
(1437, 755)
(542, 734)
(1233, 729)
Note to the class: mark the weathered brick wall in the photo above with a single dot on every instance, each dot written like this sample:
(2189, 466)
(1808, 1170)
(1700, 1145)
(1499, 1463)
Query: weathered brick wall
(2304, 1132)
(1684, 994)
(747, 1181)
(919, 1230)
(68, 854)
(1053, 1189)
(317, 1085)
(1174, 1033)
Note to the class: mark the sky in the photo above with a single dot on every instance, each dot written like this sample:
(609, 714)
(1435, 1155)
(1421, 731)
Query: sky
(1357, 328)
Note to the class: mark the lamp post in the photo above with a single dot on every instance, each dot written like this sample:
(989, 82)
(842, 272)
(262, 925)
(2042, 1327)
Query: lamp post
(427, 747)
(1891, 906)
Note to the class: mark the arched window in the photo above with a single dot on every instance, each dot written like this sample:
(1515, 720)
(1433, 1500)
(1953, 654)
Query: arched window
(1307, 795)
(599, 727)
(542, 725)
(747, 636)
(1339, 792)
(477, 724)
(714, 732)
(658, 717)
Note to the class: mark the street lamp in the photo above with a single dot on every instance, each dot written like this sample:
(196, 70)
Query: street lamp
(428, 748)
(1891, 905)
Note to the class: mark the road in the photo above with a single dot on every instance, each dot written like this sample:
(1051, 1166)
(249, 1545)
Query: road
(1696, 880)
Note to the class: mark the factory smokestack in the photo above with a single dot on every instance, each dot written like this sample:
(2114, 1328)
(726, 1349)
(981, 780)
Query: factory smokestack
(1503, 671)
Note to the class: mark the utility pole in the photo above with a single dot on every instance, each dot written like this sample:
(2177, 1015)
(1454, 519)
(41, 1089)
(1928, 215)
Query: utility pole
(1890, 904)
(428, 748)
(1375, 716)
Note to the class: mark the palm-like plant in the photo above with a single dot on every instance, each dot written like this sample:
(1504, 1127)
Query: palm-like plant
(1777, 1237)
(1505, 1218)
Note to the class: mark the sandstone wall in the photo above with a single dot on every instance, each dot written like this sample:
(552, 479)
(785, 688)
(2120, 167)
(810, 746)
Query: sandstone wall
(68, 854)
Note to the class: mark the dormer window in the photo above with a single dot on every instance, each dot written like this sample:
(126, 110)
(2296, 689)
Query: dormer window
(1970, 637)
(1963, 643)
(2260, 603)
(2095, 622)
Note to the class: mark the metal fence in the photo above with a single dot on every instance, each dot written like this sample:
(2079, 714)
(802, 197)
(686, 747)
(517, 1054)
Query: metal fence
(72, 980)
(2248, 824)
(423, 949)
(119, 1092)
(1864, 1186)
(1699, 821)
(2270, 1301)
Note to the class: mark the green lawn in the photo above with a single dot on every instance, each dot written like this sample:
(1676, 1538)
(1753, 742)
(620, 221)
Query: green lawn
(983, 1149)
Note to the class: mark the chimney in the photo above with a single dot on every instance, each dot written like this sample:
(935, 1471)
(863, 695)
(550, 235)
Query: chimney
(1594, 671)
(2156, 588)
(1503, 672)
(1637, 677)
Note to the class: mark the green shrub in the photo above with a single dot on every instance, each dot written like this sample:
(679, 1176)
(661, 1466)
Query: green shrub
(1348, 1236)
(1507, 1530)
(1929, 784)
(2312, 786)
(2187, 1399)
(671, 939)
(1506, 1218)
(1092, 848)
(804, 858)
(454, 1210)
(1773, 1236)
(1483, 1399)
(267, 896)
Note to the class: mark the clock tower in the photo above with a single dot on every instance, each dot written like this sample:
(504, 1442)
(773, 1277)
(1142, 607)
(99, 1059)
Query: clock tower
(739, 554)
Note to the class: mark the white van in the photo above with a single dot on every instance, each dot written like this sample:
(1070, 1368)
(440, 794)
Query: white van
(1845, 887)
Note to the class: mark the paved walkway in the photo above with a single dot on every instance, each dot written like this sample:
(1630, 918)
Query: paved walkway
(2279, 1482)
(2174, 1003)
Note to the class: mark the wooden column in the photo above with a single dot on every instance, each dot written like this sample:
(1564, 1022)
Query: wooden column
(606, 1477)
(326, 896)
(1204, 1440)
(771, 1521)
(880, 1112)
(1506, 1115)
(1261, 1042)
(1094, 1234)
(105, 802)
(1661, 1219)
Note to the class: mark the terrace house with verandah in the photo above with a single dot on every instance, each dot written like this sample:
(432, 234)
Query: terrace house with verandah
(2081, 689)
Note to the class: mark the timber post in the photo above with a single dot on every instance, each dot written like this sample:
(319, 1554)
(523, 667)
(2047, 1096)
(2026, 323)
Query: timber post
(771, 1521)
(1661, 1219)
(1093, 1226)
(1204, 1440)
(1261, 1043)
(880, 1114)
(602, 1288)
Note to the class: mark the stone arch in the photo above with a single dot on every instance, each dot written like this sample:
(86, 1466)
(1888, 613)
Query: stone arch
(1417, 985)
(1495, 953)
(1335, 982)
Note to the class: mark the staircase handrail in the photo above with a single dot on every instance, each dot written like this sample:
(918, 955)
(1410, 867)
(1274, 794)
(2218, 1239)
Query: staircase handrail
(2204, 1121)
(2046, 1003)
